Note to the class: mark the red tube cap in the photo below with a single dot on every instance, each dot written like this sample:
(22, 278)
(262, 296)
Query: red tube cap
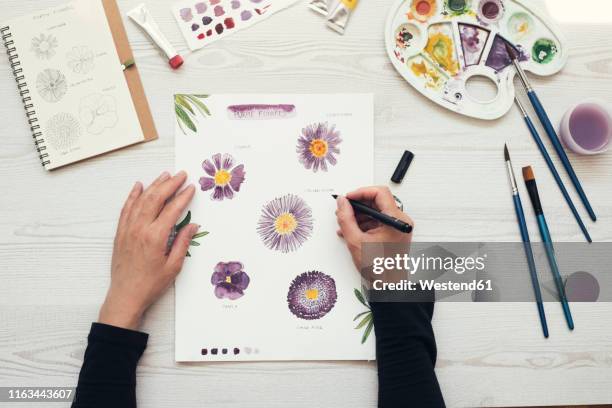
(176, 61)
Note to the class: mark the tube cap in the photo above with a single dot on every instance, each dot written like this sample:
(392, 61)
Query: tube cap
(176, 61)
(402, 167)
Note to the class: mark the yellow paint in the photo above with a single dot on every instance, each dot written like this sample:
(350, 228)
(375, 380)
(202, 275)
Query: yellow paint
(350, 4)
(432, 77)
(318, 148)
(222, 177)
(312, 294)
(440, 48)
(228, 279)
(285, 224)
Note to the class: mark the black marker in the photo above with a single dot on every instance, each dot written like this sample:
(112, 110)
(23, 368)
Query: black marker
(378, 216)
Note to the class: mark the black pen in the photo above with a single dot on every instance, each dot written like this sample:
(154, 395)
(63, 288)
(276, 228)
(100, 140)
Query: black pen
(378, 216)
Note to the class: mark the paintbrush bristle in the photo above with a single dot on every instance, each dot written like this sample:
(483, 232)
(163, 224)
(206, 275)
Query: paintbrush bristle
(528, 173)
(510, 50)
(506, 153)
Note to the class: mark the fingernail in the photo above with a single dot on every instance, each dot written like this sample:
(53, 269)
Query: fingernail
(194, 229)
(340, 201)
(181, 173)
(135, 187)
(164, 176)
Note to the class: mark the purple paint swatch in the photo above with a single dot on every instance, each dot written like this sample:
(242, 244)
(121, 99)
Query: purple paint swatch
(236, 350)
(204, 352)
(246, 15)
(219, 11)
(206, 20)
(214, 351)
(590, 127)
(498, 58)
(194, 27)
(473, 40)
(201, 8)
(186, 14)
(209, 33)
(235, 4)
(219, 28)
(224, 351)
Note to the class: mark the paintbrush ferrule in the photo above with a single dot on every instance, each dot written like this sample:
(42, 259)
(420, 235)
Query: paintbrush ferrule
(512, 177)
(522, 75)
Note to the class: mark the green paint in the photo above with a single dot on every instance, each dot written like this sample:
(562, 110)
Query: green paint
(543, 51)
(458, 7)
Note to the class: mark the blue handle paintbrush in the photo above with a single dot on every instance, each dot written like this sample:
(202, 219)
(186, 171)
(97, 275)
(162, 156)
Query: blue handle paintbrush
(532, 188)
(520, 216)
(553, 170)
(550, 130)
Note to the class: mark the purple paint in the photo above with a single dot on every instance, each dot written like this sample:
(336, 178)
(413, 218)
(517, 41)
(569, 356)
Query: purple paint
(235, 4)
(186, 14)
(246, 15)
(219, 28)
(473, 41)
(219, 11)
(201, 8)
(260, 111)
(236, 350)
(208, 33)
(206, 20)
(194, 27)
(204, 351)
(498, 58)
(589, 126)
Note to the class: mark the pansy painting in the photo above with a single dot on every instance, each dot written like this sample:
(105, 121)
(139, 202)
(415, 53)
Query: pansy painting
(318, 146)
(224, 177)
(285, 223)
(230, 280)
(312, 295)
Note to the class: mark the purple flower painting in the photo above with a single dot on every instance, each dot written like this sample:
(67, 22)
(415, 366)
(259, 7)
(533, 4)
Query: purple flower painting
(318, 146)
(312, 295)
(225, 178)
(285, 223)
(230, 280)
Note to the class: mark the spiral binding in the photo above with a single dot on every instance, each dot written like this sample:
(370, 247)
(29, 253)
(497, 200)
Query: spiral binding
(22, 87)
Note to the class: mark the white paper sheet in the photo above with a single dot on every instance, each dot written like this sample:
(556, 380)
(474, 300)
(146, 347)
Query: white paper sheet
(260, 325)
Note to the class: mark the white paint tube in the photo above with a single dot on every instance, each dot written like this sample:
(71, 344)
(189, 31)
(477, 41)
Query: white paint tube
(339, 15)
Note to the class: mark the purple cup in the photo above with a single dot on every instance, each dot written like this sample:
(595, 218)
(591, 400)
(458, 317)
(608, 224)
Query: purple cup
(586, 128)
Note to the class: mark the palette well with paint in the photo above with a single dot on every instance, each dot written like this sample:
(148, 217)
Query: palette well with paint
(440, 45)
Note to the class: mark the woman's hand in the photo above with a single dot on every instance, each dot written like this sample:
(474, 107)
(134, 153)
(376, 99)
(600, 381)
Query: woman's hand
(142, 267)
(359, 229)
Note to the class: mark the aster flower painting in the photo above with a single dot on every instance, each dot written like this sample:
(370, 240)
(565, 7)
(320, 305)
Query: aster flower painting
(318, 146)
(286, 223)
(224, 177)
(312, 295)
(230, 280)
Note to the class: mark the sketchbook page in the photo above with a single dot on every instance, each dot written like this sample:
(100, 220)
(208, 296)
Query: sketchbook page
(76, 82)
(203, 22)
(271, 280)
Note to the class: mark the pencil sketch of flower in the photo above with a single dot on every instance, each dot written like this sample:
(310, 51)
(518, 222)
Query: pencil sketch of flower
(51, 85)
(98, 112)
(318, 146)
(225, 178)
(286, 223)
(62, 131)
(230, 280)
(186, 107)
(178, 227)
(312, 295)
(80, 60)
(366, 317)
(43, 46)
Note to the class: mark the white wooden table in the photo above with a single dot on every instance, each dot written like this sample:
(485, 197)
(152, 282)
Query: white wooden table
(56, 229)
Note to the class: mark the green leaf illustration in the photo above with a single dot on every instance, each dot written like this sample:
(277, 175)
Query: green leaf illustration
(185, 106)
(183, 117)
(180, 99)
(361, 314)
(367, 331)
(194, 243)
(200, 234)
(365, 321)
(199, 104)
(185, 221)
(361, 298)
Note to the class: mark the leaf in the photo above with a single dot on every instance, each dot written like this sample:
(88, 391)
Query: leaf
(360, 298)
(185, 221)
(180, 99)
(184, 117)
(367, 331)
(199, 104)
(194, 243)
(200, 234)
(361, 314)
(365, 321)
(200, 96)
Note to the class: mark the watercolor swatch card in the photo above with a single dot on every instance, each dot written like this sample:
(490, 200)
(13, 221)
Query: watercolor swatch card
(203, 22)
(268, 278)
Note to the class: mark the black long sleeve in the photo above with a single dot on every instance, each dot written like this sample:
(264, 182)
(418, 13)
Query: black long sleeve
(406, 355)
(108, 374)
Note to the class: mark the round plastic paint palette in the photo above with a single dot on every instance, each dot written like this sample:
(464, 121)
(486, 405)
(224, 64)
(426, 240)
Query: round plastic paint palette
(439, 45)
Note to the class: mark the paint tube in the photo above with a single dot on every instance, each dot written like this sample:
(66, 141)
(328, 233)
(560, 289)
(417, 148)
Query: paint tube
(320, 6)
(339, 15)
(141, 16)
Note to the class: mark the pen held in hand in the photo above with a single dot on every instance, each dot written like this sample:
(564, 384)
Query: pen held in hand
(379, 216)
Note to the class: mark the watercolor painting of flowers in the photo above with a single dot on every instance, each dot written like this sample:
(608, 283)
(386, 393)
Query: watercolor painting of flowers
(179, 227)
(186, 107)
(366, 317)
(312, 295)
(230, 280)
(44, 46)
(318, 146)
(286, 223)
(223, 178)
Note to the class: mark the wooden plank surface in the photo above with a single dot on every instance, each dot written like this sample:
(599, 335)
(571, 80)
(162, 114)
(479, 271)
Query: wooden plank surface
(56, 229)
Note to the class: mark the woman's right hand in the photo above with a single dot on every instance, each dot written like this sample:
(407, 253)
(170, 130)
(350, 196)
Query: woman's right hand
(357, 229)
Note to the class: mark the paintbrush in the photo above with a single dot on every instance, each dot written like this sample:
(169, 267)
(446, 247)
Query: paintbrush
(552, 168)
(532, 188)
(520, 216)
(550, 130)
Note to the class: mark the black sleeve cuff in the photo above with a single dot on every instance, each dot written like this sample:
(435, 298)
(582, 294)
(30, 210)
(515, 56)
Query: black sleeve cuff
(105, 333)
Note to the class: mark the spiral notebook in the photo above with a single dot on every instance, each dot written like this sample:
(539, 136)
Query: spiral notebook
(69, 63)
